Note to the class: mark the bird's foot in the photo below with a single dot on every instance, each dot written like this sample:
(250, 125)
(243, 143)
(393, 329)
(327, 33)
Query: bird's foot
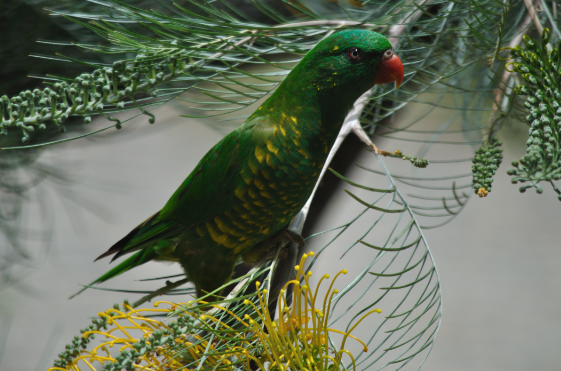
(286, 237)
(266, 250)
(293, 237)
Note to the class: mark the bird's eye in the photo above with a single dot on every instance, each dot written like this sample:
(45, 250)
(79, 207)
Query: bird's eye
(355, 54)
(387, 54)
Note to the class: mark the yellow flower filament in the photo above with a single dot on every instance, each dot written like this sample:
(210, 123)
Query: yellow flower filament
(295, 350)
(296, 341)
(277, 335)
(164, 357)
(286, 339)
(325, 277)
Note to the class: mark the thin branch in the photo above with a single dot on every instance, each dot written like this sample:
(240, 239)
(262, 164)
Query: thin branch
(169, 286)
(399, 28)
(352, 122)
(352, 117)
(551, 17)
(501, 100)
(326, 23)
(533, 14)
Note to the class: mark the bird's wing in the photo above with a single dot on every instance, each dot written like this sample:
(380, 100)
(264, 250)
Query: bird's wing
(208, 191)
(210, 188)
(145, 234)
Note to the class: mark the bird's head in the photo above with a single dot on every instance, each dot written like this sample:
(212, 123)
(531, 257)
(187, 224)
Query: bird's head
(336, 72)
(346, 64)
(353, 57)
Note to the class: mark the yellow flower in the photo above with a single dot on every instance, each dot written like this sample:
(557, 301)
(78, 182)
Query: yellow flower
(301, 342)
(145, 343)
(216, 339)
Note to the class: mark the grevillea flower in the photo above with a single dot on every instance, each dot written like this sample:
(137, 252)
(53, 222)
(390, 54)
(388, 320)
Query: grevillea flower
(299, 339)
(138, 341)
(218, 338)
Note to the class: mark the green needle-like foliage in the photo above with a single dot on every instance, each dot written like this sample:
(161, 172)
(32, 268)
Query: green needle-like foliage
(540, 68)
(204, 47)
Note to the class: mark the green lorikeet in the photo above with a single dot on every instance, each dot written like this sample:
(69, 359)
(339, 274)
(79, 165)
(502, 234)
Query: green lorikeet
(250, 185)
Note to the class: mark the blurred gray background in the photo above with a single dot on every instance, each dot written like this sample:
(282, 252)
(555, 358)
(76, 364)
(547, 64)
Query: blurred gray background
(499, 260)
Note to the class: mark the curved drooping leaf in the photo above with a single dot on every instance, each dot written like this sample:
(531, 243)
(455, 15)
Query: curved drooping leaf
(389, 266)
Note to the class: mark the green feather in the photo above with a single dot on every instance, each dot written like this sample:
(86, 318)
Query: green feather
(250, 185)
(137, 259)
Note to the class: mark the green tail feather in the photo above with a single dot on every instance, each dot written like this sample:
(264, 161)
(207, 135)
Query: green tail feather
(141, 257)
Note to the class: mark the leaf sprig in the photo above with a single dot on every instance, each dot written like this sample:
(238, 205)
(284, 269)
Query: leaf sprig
(88, 94)
(420, 163)
(156, 342)
(540, 69)
(81, 342)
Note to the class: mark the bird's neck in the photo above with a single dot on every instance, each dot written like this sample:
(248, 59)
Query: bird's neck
(308, 108)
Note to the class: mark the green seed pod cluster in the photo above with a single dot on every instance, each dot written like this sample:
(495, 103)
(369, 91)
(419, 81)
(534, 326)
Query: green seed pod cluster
(80, 342)
(486, 161)
(420, 163)
(541, 71)
(89, 94)
(159, 341)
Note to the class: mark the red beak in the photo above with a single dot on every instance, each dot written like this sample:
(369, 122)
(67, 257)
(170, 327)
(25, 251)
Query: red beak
(389, 70)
